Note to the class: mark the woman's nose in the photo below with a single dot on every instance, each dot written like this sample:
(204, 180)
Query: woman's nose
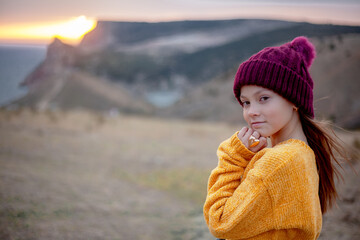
(253, 110)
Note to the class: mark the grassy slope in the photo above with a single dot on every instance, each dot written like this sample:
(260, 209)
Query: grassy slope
(81, 175)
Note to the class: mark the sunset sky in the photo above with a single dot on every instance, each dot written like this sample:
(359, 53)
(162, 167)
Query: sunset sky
(37, 21)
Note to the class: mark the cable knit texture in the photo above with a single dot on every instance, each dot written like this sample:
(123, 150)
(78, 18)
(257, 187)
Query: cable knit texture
(272, 194)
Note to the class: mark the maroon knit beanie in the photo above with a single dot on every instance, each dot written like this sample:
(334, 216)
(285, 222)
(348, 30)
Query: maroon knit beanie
(284, 70)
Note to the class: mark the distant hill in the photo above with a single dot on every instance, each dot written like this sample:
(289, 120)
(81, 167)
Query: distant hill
(157, 55)
(109, 34)
(335, 72)
(138, 59)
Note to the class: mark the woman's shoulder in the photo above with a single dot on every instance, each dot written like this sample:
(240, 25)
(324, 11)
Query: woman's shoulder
(283, 155)
(292, 149)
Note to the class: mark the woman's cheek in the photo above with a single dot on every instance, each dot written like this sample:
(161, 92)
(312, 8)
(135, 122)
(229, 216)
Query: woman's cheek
(274, 121)
(246, 117)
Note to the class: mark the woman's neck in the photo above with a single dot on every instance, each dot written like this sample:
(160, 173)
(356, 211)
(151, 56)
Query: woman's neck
(292, 130)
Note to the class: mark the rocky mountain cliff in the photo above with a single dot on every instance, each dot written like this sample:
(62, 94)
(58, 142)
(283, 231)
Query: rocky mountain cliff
(57, 84)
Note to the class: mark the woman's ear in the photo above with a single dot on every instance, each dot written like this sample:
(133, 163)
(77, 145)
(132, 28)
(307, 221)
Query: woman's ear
(295, 108)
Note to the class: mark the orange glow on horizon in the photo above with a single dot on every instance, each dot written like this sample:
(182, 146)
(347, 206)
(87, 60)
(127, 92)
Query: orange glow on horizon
(70, 31)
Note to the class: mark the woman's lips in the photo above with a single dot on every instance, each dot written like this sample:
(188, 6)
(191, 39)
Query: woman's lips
(256, 124)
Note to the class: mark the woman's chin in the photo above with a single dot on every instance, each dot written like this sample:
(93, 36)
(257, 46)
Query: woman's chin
(264, 134)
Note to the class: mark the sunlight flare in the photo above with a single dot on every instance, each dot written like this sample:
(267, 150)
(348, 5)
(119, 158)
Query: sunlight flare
(70, 31)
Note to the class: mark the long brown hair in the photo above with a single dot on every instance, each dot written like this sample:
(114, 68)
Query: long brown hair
(325, 144)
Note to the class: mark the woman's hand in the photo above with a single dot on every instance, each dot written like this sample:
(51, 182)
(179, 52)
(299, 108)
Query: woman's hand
(244, 135)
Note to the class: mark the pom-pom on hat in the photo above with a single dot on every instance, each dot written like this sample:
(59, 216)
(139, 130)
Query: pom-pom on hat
(283, 69)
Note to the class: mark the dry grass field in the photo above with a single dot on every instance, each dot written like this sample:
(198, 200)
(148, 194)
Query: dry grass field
(82, 175)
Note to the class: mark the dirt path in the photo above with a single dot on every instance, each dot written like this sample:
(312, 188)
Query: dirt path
(82, 175)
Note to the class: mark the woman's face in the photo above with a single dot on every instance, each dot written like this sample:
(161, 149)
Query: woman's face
(264, 110)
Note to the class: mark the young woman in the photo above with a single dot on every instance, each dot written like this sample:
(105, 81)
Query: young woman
(277, 192)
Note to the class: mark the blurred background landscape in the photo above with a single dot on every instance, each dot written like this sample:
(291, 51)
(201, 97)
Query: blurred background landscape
(109, 123)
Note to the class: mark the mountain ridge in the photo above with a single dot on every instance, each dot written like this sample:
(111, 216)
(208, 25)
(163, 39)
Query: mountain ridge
(169, 56)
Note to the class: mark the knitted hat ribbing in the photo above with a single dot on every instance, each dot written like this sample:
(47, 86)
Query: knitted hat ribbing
(284, 70)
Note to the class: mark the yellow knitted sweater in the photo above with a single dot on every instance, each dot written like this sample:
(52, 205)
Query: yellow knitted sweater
(272, 194)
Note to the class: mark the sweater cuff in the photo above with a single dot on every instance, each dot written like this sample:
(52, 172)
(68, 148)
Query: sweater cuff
(240, 148)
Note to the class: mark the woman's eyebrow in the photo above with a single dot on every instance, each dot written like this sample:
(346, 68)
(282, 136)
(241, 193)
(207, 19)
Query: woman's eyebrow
(256, 93)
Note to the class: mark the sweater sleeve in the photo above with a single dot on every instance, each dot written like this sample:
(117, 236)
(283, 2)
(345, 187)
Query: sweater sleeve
(229, 208)
(277, 197)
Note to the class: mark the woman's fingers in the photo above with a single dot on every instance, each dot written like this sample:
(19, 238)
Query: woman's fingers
(256, 134)
(247, 136)
(242, 132)
(262, 144)
(244, 135)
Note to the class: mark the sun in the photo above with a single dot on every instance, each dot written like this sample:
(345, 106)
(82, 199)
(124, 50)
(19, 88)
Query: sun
(70, 31)
(75, 28)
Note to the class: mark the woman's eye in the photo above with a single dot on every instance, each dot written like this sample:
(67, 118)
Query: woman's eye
(264, 98)
(245, 103)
